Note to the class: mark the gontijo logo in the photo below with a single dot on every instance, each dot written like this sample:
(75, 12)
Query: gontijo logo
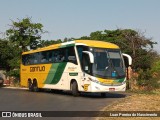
(37, 68)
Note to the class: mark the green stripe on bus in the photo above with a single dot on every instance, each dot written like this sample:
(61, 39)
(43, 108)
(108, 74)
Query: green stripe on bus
(118, 81)
(121, 80)
(55, 73)
(51, 73)
(59, 72)
(68, 45)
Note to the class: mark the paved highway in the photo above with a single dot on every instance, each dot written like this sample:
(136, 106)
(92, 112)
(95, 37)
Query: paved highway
(23, 100)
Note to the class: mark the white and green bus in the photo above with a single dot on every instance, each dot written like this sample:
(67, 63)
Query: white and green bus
(77, 66)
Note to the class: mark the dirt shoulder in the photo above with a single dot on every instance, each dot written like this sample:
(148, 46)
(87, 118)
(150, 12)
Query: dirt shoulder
(135, 102)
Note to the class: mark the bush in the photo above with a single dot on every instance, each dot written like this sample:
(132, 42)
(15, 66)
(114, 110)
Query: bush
(15, 73)
(148, 80)
(14, 77)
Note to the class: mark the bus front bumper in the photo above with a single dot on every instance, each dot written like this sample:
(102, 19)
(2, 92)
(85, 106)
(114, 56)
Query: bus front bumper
(95, 87)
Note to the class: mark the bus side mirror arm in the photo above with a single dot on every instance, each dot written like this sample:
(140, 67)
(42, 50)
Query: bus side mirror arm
(129, 58)
(91, 57)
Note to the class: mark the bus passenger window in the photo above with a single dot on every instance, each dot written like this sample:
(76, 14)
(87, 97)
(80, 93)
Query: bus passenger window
(55, 56)
(25, 60)
(62, 55)
(35, 58)
(43, 58)
(31, 59)
(59, 55)
(50, 58)
(71, 56)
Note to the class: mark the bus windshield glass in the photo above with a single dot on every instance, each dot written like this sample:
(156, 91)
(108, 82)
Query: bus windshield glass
(108, 63)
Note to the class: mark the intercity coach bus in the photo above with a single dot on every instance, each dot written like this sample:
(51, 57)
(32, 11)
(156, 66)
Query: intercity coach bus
(77, 66)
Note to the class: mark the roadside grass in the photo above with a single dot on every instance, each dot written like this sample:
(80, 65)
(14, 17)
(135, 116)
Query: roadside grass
(138, 101)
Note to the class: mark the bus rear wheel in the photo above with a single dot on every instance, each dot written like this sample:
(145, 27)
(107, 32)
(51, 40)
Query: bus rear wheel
(74, 89)
(30, 85)
(35, 86)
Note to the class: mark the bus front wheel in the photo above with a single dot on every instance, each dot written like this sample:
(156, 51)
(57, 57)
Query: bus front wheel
(74, 89)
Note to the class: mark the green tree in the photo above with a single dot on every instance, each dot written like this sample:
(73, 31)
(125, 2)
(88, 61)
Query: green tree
(44, 43)
(9, 55)
(68, 39)
(25, 34)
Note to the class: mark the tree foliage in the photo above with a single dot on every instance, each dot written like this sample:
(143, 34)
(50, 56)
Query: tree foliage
(9, 55)
(44, 43)
(20, 36)
(25, 34)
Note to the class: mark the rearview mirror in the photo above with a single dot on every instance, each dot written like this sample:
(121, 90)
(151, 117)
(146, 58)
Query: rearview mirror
(91, 57)
(127, 59)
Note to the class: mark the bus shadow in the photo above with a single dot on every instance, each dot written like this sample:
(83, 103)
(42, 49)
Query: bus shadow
(90, 95)
(108, 95)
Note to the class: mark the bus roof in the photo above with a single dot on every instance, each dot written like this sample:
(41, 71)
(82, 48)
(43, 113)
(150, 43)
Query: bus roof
(96, 43)
(91, 43)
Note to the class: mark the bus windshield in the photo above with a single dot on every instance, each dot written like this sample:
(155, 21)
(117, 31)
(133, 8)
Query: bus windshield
(108, 63)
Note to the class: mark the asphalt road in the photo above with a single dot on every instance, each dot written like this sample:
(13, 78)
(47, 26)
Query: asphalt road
(23, 100)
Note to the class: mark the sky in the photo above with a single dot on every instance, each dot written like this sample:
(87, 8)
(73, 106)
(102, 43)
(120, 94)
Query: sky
(77, 18)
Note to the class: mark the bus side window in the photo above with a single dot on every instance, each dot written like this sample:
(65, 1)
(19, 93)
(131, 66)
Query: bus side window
(25, 60)
(80, 49)
(62, 55)
(28, 60)
(50, 58)
(31, 59)
(59, 55)
(43, 58)
(86, 66)
(70, 54)
(36, 58)
(55, 56)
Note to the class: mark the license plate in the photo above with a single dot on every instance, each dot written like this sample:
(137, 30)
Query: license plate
(111, 89)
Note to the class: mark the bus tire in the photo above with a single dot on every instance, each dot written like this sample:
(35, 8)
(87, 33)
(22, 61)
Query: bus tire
(74, 88)
(35, 86)
(30, 85)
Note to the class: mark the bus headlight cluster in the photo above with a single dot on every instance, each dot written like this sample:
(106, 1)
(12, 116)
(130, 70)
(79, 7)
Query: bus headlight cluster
(94, 80)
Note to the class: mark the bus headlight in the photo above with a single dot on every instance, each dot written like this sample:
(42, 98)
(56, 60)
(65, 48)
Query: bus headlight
(94, 80)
